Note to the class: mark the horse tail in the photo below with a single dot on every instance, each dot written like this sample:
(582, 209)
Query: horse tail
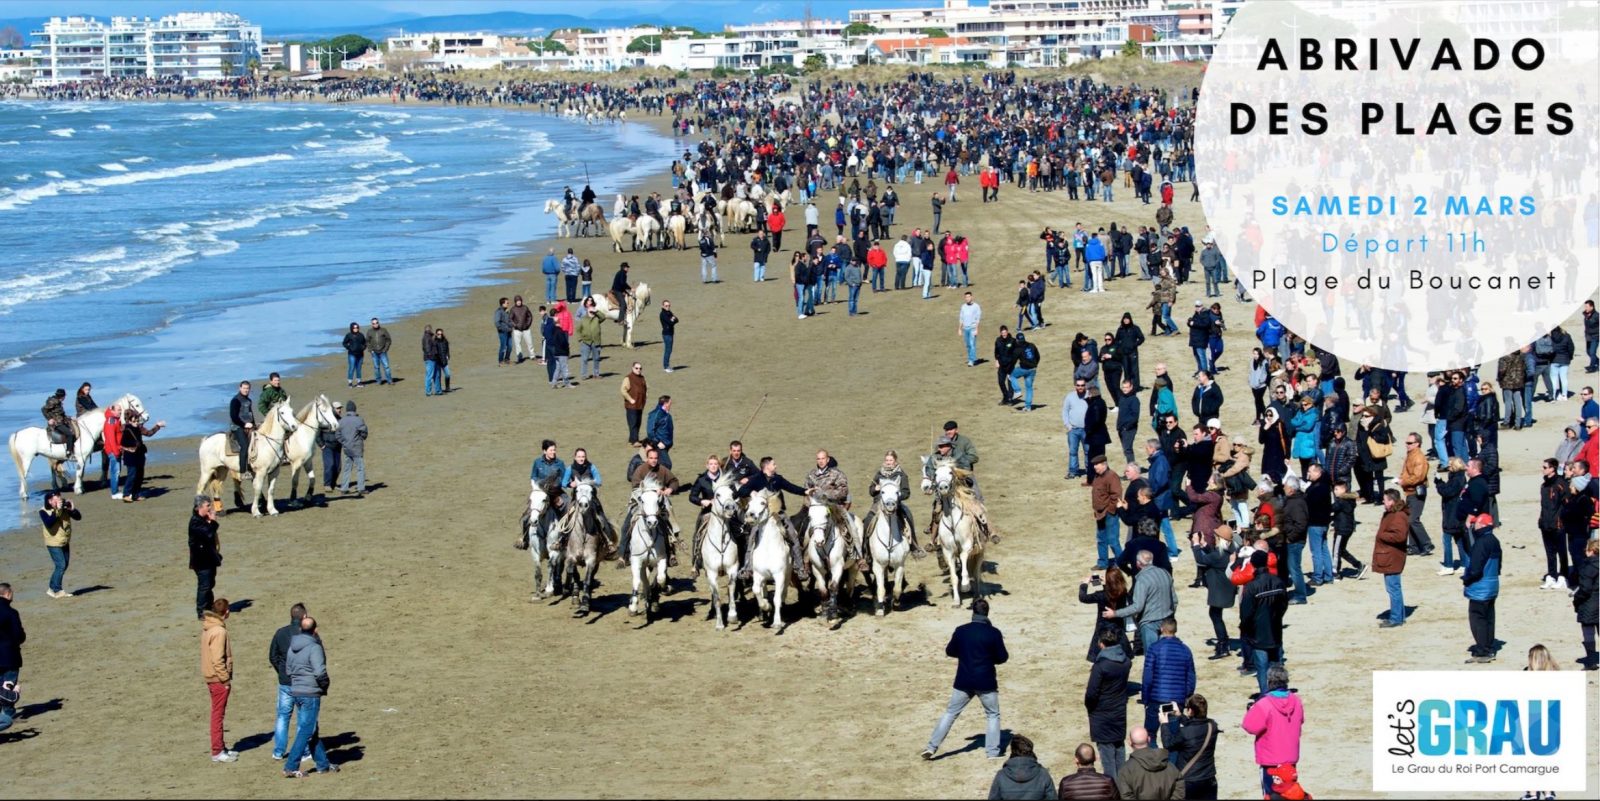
(16, 458)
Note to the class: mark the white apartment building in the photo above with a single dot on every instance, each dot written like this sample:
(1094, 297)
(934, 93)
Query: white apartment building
(448, 44)
(291, 57)
(607, 50)
(192, 46)
(788, 28)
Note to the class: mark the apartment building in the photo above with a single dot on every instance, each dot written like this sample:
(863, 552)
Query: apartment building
(607, 50)
(190, 45)
(449, 44)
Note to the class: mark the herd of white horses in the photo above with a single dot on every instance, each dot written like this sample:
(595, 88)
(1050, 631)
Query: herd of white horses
(565, 543)
(644, 232)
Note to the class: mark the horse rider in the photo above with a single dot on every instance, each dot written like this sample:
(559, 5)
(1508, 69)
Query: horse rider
(56, 419)
(828, 482)
(569, 202)
(769, 480)
(739, 465)
(271, 394)
(587, 198)
(944, 451)
(547, 474)
(901, 524)
(621, 290)
(243, 418)
(651, 467)
(582, 470)
(652, 207)
(703, 493)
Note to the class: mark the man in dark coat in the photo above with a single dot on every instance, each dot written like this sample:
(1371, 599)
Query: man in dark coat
(1260, 615)
(1087, 784)
(205, 554)
(1005, 360)
(1106, 698)
(978, 647)
(12, 636)
(278, 658)
(1022, 777)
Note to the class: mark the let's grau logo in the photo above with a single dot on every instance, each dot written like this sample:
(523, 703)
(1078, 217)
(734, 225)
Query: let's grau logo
(1470, 731)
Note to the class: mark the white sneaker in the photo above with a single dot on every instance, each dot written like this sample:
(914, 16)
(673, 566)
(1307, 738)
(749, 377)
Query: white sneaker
(116, 496)
(1447, 571)
(225, 756)
(1561, 584)
(1549, 583)
(668, 370)
(51, 594)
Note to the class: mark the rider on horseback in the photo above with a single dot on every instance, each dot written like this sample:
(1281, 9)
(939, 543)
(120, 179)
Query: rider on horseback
(944, 451)
(829, 483)
(651, 467)
(582, 470)
(770, 481)
(243, 418)
(901, 523)
(703, 494)
(587, 198)
(57, 422)
(569, 202)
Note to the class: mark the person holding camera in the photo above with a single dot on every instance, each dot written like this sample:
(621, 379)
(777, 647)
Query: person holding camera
(1191, 738)
(57, 516)
(205, 553)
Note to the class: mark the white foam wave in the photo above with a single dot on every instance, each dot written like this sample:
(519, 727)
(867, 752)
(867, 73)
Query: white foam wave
(109, 254)
(454, 128)
(136, 160)
(102, 127)
(298, 231)
(53, 174)
(315, 145)
(89, 275)
(64, 133)
(537, 143)
(10, 142)
(24, 177)
(26, 196)
(204, 115)
(114, 167)
(304, 126)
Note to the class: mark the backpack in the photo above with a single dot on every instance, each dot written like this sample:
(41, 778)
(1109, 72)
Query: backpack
(1544, 346)
(1029, 357)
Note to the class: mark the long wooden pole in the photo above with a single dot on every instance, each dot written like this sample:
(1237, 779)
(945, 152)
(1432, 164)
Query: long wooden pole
(753, 414)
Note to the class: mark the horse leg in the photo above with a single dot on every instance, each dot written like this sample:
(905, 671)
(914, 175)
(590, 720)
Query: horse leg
(538, 566)
(636, 565)
(77, 474)
(899, 585)
(713, 576)
(955, 571)
(272, 488)
(881, 590)
(779, 589)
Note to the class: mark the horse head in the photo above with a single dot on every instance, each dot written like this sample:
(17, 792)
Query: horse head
(322, 409)
(583, 495)
(649, 495)
(129, 403)
(817, 518)
(889, 493)
(944, 475)
(538, 502)
(550, 206)
(283, 412)
(759, 510)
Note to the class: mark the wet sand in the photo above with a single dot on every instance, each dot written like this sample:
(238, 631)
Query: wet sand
(447, 680)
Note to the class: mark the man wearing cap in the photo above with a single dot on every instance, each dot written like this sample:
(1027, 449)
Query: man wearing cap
(1481, 585)
(944, 449)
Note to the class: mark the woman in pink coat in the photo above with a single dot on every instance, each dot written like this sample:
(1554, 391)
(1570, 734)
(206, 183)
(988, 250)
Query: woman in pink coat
(1275, 719)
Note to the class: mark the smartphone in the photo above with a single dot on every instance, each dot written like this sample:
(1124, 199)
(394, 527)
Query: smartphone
(1095, 580)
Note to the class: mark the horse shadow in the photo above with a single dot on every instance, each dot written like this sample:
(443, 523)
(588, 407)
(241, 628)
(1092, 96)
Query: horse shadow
(95, 588)
(18, 736)
(41, 708)
(344, 748)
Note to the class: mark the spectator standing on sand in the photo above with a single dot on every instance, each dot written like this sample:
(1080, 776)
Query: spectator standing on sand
(355, 349)
(134, 452)
(216, 668)
(328, 440)
(1087, 784)
(503, 328)
(1105, 696)
(205, 553)
(571, 270)
(669, 327)
(550, 267)
(278, 658)
(1148, 774)
(978, 648)
(353, 441)
(1389, 555)
(12, 636)
(633, 398)
(57, 516)
(378, 342)
(1275, 719)
(589, 332)
(521, 319)
(308, 682)
(971, 317)
(708, 258)
(430, 363)
(1191, 739)
(1022, 777)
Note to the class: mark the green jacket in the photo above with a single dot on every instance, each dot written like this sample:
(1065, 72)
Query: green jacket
(270, 395)
(589, 330)
(965, 453)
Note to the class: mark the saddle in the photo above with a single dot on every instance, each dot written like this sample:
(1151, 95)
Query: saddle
(60, 432)
(230, 446)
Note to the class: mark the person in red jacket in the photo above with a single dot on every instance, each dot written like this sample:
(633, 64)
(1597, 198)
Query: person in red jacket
(111, 441)
(775, 221)
(876, 259)
(950, 182)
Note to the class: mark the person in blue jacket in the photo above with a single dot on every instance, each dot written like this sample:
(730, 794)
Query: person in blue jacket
(977, 647)
(1481, 584)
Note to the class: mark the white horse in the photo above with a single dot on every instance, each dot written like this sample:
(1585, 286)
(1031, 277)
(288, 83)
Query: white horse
(620, 227)
(315, 418)
(719, 555)
(712, 223)
(627, 316)
(646, 230)
(538, 525)
(827, 552)
(677, 224)
(769, 556)
(267, 455)
(582, 526)
(887, 553)
(957, 533)
(741, 216)
(647, 550)
(34, 441)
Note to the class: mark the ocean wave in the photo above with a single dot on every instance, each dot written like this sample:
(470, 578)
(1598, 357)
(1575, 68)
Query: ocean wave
(454, 128)
(198, 117)
(25, 196)
(102, 127)
(136, 160)
(315, 145)
(369, 151)
(53, 174)
(64, 133)
(114, 167)
(537, 143)
(109, 254)
(397, 115)
(10, 142)
(63, 281)
(250, 220)
(304, 126)
(298, 231)
(24, 177)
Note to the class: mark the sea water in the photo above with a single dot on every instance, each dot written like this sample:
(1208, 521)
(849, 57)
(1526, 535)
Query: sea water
(173, 249)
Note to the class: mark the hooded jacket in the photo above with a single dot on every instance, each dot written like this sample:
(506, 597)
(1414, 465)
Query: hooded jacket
(1022, 777)
(216, 653)
(306, 666)
(1105, 695)
(1149, 775)
(1275, 720)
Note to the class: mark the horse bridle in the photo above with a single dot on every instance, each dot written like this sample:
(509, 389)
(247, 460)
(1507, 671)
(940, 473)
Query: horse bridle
(279, 445)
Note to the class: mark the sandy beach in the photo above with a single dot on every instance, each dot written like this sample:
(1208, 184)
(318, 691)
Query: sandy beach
(448, 681)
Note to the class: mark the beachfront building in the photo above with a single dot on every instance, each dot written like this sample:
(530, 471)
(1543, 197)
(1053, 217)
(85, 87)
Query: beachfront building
(607, 50)
(280, 55)
(788, 28)
(17, 64)
(1039, 33)
(446, 44)
(193, 46)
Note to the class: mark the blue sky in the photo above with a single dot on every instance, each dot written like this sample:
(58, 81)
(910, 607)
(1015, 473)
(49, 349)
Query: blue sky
(305, 14)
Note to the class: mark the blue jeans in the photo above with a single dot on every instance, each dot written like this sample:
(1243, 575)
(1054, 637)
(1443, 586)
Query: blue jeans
(113, 473)
(1440, 449)
(359, 464)
(855, 297)
(830, 289)
(877, 279)
(1107, 541)
(800, 295)
(1074, 444)
(430, 377)
(1149, 632)
(1458, 444)
(132, 474)
(971, 337)
(504, 354)
(1063, 276)
(1202, 358)
(8, 713)
(1297, 572)
(1166, 318)
(958, 702)
(550, 289)
(306, 735)
(927, 281)
(380, 364)
(280, 729)
(1527, 402)
(666, 351)
(352, 372)
(1397, 599)
(813, 297)
(1450, 559)
(708, 263)
(1321, 559)
(1173, 547)
(1022, 379)
(1262, 659)
(61, 557)
(758, 271)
